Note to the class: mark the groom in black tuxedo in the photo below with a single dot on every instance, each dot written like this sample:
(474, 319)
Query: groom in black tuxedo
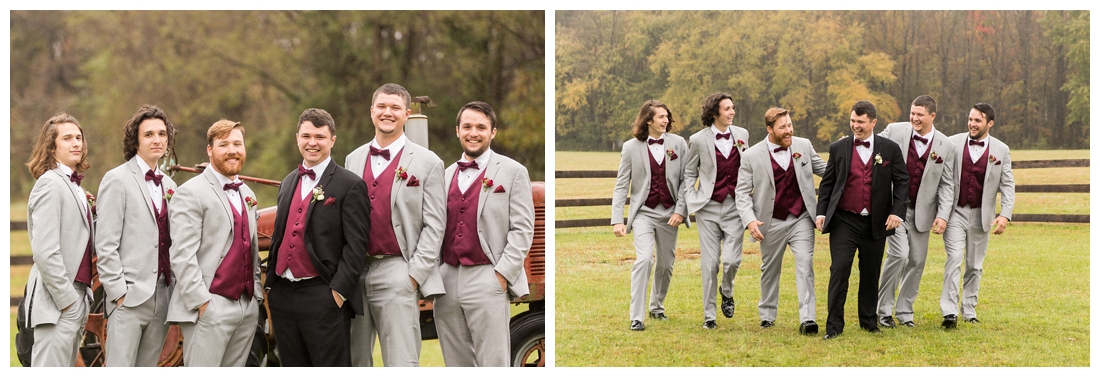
(318, 251)
(861, 200)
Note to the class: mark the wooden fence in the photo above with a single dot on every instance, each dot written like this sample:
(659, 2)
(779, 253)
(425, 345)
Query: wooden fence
(1016, 217)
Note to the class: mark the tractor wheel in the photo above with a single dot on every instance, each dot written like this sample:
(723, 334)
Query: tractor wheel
(528, 339)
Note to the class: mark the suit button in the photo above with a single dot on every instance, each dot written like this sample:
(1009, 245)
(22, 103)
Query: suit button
(295, 223)
(299, 210)
(462, 210)
(375, 184)
(461, 223)
(372, 197)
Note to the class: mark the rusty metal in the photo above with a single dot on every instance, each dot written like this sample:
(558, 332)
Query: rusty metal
(200, 167)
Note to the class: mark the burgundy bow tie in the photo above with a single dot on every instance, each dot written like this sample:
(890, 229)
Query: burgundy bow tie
(233, 186)
(76, 178)
(859, 142)
(303, 172)
(656, 141)
(779, 149)
(920, 139)
(385, 153)
(972, 142)
(723, 136)
(156, 178)
(462, 166)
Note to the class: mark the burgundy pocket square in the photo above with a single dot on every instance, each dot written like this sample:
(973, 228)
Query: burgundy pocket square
(330, 201)
(499, 189)
(413, 182)
(998, 163)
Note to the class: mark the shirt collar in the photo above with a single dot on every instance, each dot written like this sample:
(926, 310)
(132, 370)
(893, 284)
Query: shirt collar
(395, 146)
(482, 160)
(64, 169)
(772, 146)
(145, 167)
(652, 138)
(930, 134)
(714, 129)
(320, 168)
(870, 139)
(222, 179)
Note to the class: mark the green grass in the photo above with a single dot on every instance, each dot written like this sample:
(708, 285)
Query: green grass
(1034, 305)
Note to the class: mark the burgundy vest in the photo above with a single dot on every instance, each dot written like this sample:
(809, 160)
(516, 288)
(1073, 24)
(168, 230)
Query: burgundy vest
(658, 187)
(461, 245)
(84, 272)
(972, 179)
(788, 198)
(383, 240)
(165, 241)
(857, 188)
(233, 277)
(915, 164)
(726, 179)
(292, 250)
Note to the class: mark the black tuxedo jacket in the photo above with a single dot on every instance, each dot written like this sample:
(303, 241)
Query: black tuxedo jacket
(889, 183)
(336, 233)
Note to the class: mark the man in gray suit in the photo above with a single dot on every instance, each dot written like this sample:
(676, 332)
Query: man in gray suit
(775, 197)
(214, 256)
(714, 159)
(59, 223)
(133, 241)
(651, 166)
(408, 208)
(983, 169)
(929, 157)
(490, 226)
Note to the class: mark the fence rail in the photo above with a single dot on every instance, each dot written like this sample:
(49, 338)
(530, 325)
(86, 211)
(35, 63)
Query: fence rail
(1030, 164)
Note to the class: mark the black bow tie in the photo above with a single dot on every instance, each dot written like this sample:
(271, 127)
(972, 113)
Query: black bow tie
(779, 149)
(233, 186)
(978, 143)
(462, 166)
(303, 172)
(385, 153)
(723, 136)
(76, 178)
(156, 178)
(656, 141)
(859, 142)
(920, 139)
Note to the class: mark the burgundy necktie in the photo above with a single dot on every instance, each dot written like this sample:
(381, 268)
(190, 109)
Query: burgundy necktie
(76, 178)
(462, 166)
(303, 172)
(156, 178)
(972, 142)
(779, 149)
(859, 142)
(385, 153)
(723, 136)
(656, 141)
(233, 186)
(920, 139)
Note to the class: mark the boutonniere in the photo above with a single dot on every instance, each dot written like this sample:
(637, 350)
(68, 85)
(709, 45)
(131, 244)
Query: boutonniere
(994, 160)
(252, 202)
(318, 193)
(741, 144)
(935, 157)
(400, 174)
(671, 154)
(91, 202)
(796, 155)
(168, 194)
(878, 159)
(486, 182)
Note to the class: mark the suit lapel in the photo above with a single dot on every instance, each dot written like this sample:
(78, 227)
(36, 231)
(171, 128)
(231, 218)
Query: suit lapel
(490, 172)
(766, 162)
(86, 218)
(139, 180)
(219, 190)
(994, 151)
(708, 154)
(326, 176)
(398, 185)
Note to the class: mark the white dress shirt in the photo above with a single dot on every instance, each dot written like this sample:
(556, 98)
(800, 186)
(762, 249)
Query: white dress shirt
(378, 164)
(309, 183)
(922, 147)
(658, 150)
(156, 193)
(783, 157)
(723, 145)
(75, 188)
(977, 150)
(865, 151)
(234, 196)
(467, 177)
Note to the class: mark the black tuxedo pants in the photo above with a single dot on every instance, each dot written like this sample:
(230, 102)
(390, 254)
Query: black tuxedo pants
(851, 233)
(310, 330)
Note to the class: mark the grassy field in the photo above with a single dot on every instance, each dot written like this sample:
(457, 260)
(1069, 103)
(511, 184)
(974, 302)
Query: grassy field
(1034, 300)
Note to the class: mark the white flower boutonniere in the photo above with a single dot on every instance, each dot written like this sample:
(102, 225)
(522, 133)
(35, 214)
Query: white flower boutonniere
(878, 159)
(318, 193)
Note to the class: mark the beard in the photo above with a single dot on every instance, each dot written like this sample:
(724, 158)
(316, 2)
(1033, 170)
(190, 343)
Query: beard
(475, 153)
(225, 169)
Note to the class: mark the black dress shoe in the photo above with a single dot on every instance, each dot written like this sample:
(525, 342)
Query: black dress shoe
(766, 324)
(727, 306)
(909, 324)
(873, 330)
(831, 336)
(658, 316)
(887, 322)
(710, 325)
(949, 321)
(973, 320)
(808, 328)
(637, 326)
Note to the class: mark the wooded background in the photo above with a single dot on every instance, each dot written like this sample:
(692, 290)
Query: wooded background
(1032, 66)
(263, 68)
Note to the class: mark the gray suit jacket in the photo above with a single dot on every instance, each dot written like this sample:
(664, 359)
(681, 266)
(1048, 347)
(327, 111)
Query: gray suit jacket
(202, 232)
(59, 231)
(634, 171)
(505, 220)
(419, 213)
(701, 166)
(756, 181)
(934, 199)
(127, 240)
(998, 178)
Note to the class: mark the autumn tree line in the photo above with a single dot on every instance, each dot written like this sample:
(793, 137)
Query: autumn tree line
(1032, 66)
(262, 68)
